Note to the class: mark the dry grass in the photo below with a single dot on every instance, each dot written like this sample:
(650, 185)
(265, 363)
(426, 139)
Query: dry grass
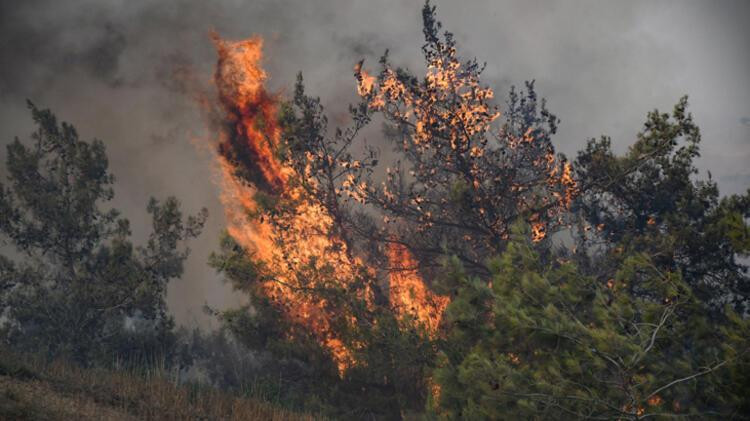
(31, 389)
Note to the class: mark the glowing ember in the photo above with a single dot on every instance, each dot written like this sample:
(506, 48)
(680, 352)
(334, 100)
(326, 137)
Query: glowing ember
(450, 120)
(655, 400)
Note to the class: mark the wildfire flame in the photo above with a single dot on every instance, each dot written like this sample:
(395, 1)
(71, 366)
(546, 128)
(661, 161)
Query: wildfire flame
(409, 296)
(297, 248)
(249, 165)
(254, 132)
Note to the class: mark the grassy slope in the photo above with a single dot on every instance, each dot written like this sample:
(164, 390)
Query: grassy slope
(35, 390)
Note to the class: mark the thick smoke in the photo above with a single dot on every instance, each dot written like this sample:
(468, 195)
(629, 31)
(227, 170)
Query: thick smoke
(125, 72)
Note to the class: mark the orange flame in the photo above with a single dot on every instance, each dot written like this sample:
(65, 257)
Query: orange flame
(409, 295)
(250, 110)
(248, 164)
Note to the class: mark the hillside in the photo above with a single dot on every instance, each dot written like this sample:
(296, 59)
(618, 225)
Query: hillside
(34, 390)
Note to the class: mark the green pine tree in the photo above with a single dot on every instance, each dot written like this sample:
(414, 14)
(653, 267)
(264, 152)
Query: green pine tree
(543, 341)
(76, 285)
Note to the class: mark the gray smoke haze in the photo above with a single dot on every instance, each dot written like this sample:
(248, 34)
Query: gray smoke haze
(109, 68)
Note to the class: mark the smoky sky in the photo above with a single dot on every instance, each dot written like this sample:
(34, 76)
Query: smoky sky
(113, 69)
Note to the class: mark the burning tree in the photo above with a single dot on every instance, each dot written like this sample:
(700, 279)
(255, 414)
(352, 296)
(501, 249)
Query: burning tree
(338, 252)
(465, 172)
(314, 297)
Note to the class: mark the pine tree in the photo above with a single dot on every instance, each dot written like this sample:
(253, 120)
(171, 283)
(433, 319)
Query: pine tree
(649, 200)
(543, 341)
(77, 279)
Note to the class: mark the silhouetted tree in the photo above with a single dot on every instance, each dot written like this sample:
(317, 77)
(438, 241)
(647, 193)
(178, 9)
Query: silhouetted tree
(77, 286)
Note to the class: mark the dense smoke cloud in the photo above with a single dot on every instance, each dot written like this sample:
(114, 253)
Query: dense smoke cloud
(122, 71)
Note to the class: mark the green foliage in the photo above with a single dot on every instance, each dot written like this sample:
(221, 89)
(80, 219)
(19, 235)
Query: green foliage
(629, 334)
(80, 287)
(544, 341)
(648, 201)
